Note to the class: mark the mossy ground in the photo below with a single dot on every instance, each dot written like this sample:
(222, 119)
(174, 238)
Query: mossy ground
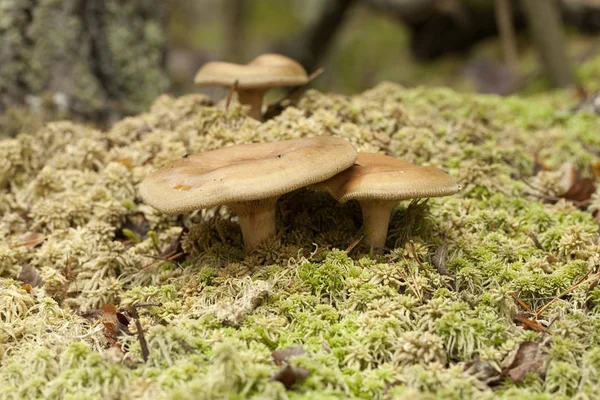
(392, 325)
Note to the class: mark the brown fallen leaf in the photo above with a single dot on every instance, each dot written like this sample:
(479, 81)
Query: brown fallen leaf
(290, 375)
(581, 190)
(575, 188)
(30, 276)
(115, 324)
(596, 169)
(283, 355)
(109, 321)
(527, 357)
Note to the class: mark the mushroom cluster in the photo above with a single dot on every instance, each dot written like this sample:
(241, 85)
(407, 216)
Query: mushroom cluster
(250, 178)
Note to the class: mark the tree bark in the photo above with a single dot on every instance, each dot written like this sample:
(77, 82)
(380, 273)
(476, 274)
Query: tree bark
(234, 11)
(313, 43)
(546, 29)
(506, 30)
(97, 59)
(454, 26)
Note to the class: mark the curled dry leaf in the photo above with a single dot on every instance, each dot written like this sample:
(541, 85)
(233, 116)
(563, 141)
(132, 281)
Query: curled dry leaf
(574, 187)
(526, 357)
(581, 191)
(110, 321)
(115, 324)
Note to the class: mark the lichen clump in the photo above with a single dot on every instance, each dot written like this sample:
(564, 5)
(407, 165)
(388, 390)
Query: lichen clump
(410, 322)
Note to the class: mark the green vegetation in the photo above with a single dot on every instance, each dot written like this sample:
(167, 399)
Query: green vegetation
(372, 325)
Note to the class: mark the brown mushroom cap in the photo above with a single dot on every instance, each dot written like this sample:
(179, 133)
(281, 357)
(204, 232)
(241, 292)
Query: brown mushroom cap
(243, 173)
(380, 177)
(265, 71)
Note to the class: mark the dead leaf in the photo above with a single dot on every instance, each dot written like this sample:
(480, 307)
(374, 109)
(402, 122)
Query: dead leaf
(283, 355)
(290, 375)
(596, 169)
(115, 324)
(581, 190)
(575, 188)
(30, 276)
(525, 358)
(110, 321)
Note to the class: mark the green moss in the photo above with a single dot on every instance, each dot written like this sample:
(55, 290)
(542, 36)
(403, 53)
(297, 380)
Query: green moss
(403, 322)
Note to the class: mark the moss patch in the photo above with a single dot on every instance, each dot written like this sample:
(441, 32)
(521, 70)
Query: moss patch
(397, 324)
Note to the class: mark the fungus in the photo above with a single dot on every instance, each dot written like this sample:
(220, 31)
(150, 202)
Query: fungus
(248, 178)
(378, 182)
(253, 79)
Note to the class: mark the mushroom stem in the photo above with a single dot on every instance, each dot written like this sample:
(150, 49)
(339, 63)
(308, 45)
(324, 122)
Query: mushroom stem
(253, 98)
(376, 219)
(257, 221)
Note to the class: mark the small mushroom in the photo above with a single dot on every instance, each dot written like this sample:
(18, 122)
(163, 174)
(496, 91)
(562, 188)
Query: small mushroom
(253, 79)
(378, 182)
(248, 178)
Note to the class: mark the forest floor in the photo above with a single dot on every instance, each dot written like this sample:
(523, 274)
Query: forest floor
(490, 293)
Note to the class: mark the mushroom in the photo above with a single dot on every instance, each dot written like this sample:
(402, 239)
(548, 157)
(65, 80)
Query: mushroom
(248, 178)
(253, 79)
(378, 182)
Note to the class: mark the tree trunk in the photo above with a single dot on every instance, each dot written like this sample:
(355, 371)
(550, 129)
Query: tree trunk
(96, 59)
(234, 11)
(506, 31)
(546, 28)
(313, 43)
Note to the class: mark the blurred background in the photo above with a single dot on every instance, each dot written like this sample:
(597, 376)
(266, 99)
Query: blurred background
(100, 60)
